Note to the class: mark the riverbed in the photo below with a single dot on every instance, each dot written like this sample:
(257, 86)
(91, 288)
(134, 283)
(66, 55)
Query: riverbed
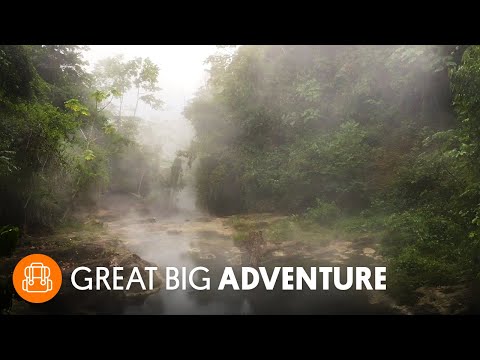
(190, 238)
(123, 232)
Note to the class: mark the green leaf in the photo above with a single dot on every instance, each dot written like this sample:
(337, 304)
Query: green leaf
(88, 155)
(109, 129)
(115, 92)
(77, 107)
(100, 95)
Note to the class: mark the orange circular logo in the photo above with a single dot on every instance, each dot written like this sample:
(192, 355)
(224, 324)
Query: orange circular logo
(37, 278)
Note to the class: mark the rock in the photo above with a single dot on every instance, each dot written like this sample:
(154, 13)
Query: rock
(207, 256)
(445, 300)
(278, 253)
(236, 250)
(368, 251)
(235, 260)
(194, 250)
(103, 301)
(380, 298)
(133, 260)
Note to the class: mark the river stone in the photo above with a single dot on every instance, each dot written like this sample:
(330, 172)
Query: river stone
(368, 251)
(236, 250)
(128, 263)
(236, 260)
(445, 300)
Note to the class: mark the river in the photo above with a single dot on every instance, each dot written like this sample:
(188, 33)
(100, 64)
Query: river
(191, 238)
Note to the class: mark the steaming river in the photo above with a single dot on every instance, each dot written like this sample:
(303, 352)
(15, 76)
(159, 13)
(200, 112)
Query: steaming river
(192, 239)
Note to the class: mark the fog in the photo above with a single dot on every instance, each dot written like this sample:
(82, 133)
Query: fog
(182, 72)
(253, 155)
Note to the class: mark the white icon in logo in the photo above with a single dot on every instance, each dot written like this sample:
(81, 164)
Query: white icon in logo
(37, 278)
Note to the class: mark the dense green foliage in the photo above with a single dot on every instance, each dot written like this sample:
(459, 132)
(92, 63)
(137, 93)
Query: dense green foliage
(360, 132)
(59, 147)
(379, 139)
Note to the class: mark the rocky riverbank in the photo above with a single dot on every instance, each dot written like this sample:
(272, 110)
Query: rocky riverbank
(90, 245)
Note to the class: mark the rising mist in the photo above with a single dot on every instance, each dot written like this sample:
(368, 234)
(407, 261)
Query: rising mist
(285, 155)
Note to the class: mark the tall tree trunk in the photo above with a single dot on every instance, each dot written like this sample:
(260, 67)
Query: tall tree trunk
(138, 98)
(120, 111)
(141, 181)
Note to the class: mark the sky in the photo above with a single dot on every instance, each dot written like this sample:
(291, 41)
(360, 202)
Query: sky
(182, 68)
(182, 72)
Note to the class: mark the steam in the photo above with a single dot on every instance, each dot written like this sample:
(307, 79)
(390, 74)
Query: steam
(165, 131)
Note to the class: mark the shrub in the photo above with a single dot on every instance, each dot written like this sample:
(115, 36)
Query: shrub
(323, 212)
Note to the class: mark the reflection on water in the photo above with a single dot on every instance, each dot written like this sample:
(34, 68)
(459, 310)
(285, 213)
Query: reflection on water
(191, 239)
(205, 247)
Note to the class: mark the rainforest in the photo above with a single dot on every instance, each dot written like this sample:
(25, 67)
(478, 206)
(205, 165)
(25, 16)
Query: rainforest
(275, 156)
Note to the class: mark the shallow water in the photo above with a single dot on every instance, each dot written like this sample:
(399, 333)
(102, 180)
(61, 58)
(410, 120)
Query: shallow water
(188, 240)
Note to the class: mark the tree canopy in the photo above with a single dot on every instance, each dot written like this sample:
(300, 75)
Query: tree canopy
(387, 134)
(58, 144)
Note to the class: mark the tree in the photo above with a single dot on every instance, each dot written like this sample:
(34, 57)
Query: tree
(17, 73)
(146, 83)
(63, 68)
(121, 75)
(117, 74)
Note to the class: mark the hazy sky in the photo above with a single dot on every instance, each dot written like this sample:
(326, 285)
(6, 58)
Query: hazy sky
(182, 68)
(182, 72)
